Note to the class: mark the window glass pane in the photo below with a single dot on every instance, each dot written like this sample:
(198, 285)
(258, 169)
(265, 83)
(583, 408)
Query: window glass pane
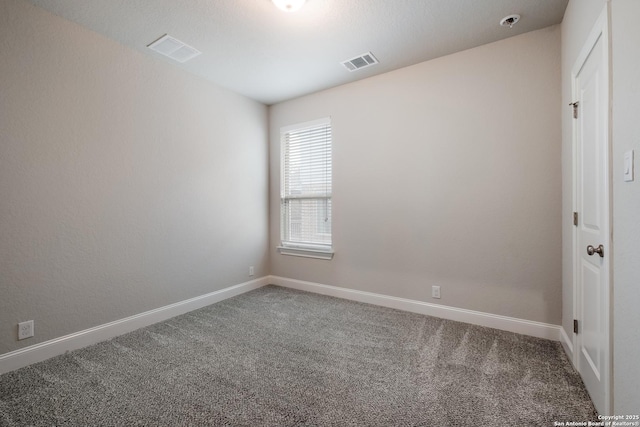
(309, 221)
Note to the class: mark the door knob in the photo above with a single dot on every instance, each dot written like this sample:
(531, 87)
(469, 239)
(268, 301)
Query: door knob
(599, 250)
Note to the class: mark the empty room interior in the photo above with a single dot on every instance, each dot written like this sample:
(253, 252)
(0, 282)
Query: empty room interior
(320, 212)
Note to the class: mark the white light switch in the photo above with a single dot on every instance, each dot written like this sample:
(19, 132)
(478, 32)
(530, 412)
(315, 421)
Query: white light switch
(628, 166)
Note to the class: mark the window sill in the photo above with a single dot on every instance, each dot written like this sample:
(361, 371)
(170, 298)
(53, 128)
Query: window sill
(306, 253)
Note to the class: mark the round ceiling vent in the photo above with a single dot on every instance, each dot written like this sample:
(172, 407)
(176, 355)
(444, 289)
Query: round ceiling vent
(509, 21)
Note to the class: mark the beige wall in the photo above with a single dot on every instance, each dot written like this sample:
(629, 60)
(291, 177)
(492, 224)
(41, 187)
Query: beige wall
(125, 183)
(445, 173)
(625, 33)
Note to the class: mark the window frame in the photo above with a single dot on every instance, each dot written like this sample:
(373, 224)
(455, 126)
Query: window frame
(303, 249)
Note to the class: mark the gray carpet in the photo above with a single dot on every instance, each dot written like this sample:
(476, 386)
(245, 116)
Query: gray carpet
(280, 357)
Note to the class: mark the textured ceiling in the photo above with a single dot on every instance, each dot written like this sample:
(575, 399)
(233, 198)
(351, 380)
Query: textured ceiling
(253, 48)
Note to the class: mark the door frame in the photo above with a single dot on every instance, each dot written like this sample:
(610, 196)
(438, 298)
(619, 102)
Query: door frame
(600, 29)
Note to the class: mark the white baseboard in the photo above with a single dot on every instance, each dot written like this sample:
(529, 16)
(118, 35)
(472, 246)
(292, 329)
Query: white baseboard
(45, 350)
(567, 344)
(511, 324)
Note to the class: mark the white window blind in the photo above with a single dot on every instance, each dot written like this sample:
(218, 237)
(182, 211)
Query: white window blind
(305, 204)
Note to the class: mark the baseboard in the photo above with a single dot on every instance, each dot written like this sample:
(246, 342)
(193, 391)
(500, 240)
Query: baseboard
(567, 344)
(505, 323)
(45, 350)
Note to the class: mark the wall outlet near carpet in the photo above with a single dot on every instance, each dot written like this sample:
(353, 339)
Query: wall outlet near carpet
(435, 292)
(251, 271)
(25, 330)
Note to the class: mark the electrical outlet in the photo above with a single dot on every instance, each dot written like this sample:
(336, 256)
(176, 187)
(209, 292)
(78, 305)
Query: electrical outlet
(435, 292)
(251, 271)
(25, 329)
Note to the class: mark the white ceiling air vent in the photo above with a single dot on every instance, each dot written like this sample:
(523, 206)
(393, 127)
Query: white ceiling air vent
(174, 49)
(359, 62)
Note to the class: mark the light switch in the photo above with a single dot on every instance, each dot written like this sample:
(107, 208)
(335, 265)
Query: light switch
(628, 166)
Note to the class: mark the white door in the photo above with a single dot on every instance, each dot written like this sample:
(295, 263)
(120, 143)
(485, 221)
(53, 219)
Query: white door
(591, 133)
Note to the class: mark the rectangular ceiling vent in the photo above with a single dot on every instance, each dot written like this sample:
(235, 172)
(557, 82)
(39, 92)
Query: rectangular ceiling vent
(174, 48)
(359, 62)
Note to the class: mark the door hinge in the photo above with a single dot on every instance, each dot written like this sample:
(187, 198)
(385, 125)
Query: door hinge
(575, 219)
(575, 326)
(575, 108)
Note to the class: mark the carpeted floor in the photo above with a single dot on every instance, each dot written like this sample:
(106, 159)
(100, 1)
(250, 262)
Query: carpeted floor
(280, 357)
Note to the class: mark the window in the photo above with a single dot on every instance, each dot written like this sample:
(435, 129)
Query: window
(305, 201)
